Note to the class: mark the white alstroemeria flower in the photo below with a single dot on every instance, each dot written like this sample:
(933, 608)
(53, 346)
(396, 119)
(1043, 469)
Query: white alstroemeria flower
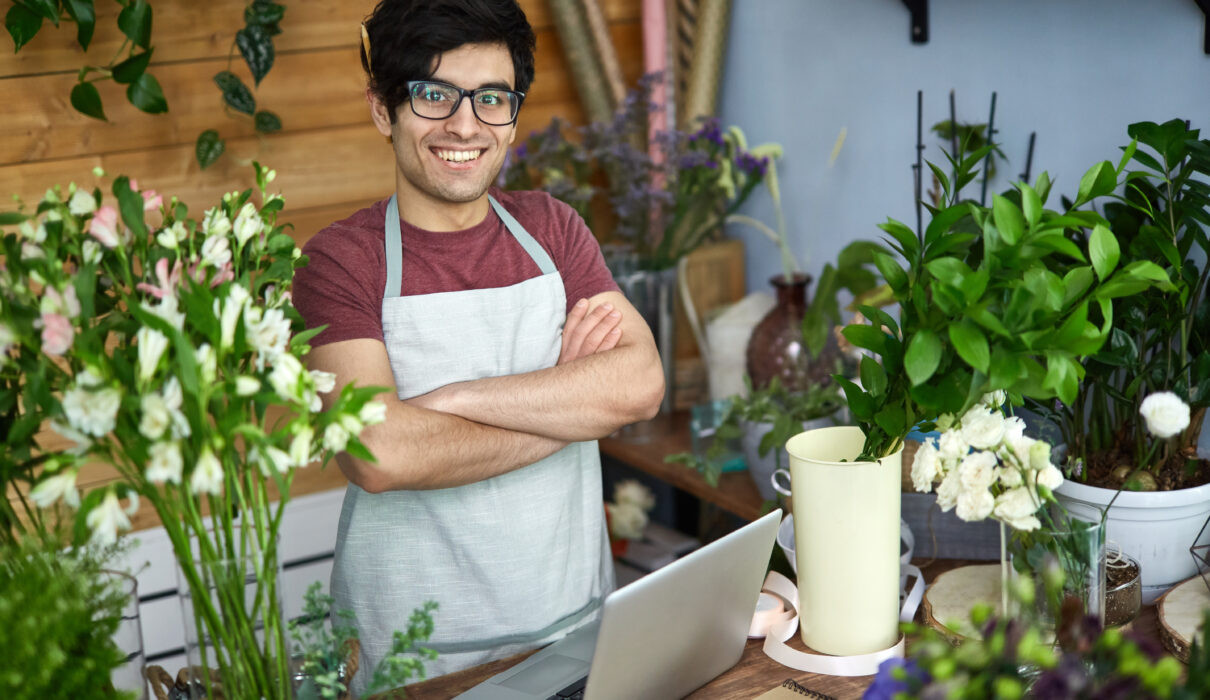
(104, 226)
(336, 437)
(174, 398)
(952, 448)
(1165, 414)
(233, 311)
(168, 309)
(215, 223)
(1016, 508)
(924, 466)
(948, 491)
(626, 520)
(151, 346)
(207, 474)
(975, 505)
(324, 381)
(108, 517)
(300, 447)
(53, 488)
(247, 223)
(92, 412)
(287, 370)
(32, 251)
(268, 332)
(373, 413)
(314, 403)
(92, 252)
(81, 441)
(207, 361)
(156, 416)
(65, 303)
(216, 251)
(351, 423)
(994, 399)
(82, 203)
(982, 428)
(165, 464)
(246, 385)
(633, 492)
(977, 472)
(270, 460)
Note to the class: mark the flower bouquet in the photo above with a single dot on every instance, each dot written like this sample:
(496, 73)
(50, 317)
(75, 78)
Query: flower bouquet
(160, 342)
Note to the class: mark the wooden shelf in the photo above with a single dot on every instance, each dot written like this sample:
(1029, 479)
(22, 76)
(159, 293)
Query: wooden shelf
(645, 450)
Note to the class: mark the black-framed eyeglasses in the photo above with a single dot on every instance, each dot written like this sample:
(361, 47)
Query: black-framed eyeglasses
(431, 99)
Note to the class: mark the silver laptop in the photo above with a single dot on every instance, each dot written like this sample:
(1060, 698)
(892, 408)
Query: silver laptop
(662, 636)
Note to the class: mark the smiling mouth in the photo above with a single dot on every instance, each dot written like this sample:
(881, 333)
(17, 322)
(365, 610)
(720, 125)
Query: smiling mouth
(457, 156)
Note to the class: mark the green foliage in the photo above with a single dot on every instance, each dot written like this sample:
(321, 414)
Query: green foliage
(1160, 339)
(990, 298)
(129, 65)
(58, 618)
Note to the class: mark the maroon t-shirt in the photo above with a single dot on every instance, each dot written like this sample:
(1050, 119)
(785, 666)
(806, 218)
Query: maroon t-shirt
(342, 287)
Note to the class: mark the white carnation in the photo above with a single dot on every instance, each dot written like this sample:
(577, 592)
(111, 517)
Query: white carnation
(164, 464)
(1050, 477)
(952, 448)
(924, 466)
(1039, 455)
(626, 520)
(1165, 413)
(1009, 476)
(977, 471)
(982, 428)
(635, 493)
(92, 412)
(975, 505)
(948, 491)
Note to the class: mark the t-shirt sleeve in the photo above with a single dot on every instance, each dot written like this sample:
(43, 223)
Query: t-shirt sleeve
(581, 263)
(341, 285)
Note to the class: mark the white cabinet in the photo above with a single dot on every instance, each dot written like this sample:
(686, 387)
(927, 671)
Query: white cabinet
(308, 541)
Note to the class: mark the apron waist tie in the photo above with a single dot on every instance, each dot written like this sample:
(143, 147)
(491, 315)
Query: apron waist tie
(520, 638)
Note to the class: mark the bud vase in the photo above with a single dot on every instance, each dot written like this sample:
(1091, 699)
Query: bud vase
(846, 533)
(777, 349)
(1067, 564)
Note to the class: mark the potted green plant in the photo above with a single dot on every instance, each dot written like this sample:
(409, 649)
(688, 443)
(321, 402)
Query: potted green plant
(161, 341)
(1154, 369)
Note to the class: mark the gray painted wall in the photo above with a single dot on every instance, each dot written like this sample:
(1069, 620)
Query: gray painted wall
(1075, 71)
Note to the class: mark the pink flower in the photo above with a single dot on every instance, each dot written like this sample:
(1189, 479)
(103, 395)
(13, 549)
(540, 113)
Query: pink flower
(104, 226)
(57, 334)
(151, 200)
(65, 303)
(168, 281)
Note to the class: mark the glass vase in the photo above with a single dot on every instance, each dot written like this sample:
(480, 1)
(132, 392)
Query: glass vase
(235, 636)
(128, 677)
(1067, 566)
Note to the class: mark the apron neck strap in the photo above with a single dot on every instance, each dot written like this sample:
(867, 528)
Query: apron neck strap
(393, 240)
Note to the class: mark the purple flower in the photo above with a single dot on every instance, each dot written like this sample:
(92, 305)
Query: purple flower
(710, 132)
(896, 675)
(521, 151)
(750, 164)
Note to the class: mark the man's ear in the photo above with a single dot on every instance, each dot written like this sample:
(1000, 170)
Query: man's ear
(378, 112)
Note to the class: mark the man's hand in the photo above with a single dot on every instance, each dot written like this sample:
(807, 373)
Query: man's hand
(586, 333)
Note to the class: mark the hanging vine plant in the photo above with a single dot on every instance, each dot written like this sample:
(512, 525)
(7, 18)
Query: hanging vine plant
(262, 21)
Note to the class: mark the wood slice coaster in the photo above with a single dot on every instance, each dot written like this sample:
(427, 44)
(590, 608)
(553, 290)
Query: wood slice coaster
(949, 599)
(1181, 611)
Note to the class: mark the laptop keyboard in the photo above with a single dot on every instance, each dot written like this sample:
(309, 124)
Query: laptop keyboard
(575, 691)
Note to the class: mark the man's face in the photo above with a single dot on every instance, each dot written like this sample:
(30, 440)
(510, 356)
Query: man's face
(453, 160)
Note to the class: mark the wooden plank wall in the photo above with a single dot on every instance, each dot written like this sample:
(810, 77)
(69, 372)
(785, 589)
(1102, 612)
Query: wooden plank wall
(329, 158)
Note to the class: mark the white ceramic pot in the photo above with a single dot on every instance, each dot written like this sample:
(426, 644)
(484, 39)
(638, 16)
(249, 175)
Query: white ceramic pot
(1155, 528)
(761, 468)
(846, 538)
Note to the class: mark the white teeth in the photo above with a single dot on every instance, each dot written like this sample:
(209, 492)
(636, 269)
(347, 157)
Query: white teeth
(458, 156)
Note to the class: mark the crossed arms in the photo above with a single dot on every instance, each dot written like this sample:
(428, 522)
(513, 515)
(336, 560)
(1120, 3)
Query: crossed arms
(608, 375)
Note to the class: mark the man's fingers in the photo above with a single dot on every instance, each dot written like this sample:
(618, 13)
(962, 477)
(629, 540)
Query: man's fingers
(573, 333)
(597, 334)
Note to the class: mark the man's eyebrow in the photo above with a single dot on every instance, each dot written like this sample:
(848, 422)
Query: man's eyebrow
(497, 84)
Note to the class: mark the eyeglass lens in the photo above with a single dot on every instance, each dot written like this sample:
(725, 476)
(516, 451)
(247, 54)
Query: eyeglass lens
(493, 106)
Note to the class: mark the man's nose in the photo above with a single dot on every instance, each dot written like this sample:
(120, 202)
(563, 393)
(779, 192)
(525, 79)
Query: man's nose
(463, 122)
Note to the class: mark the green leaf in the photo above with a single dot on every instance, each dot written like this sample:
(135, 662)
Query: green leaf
(135, 22)
(263, 13)
(87, 101)
(866, 336)
(1127, 154)
(208, 148)
(256, 46)
(1042, 185)
(873, 376)
(943, 221)
(923, 356)
(22, 24)
(47, 8)
(1062, 376)
(129, 70)
(1076, 282)
(1031, 204)
(1009, 221)
(267, 122)
(949, 271)
(1103, 247)
(903, 236)
(85, 17)
(860, 403)
(9, 218)
(235, 93)
(971, 345)
(894, 275)
(892, 420)
(1006, 369)
(1097, 182)
(130, 204)
(145, 93)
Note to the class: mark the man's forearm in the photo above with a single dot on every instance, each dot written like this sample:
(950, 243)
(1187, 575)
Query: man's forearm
(418, 448)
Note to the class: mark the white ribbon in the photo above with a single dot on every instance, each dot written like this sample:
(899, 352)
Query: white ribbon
(857, 665)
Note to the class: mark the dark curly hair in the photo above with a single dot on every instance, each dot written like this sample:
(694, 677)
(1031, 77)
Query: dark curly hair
(407, 37)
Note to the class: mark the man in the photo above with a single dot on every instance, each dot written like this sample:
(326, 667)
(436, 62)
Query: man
(486, 494)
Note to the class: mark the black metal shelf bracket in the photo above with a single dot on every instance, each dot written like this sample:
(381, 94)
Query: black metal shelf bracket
(1205, 6)
(919, 10)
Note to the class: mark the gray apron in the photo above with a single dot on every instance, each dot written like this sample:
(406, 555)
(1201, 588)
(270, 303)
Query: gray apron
(515, 561)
